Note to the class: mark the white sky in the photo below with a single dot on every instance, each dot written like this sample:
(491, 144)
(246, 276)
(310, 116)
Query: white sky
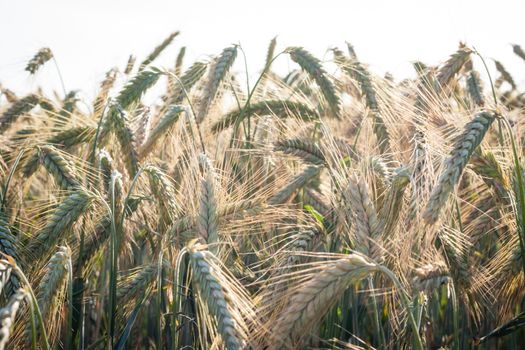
(89, 37)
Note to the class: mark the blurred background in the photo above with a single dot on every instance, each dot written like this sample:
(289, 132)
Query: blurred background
(89, 37)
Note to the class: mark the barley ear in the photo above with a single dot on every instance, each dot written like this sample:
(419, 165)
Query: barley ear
(217, 74)
(295, 183)
(61, 220)
(17, 109)
(313, 67)
(41, 57)
(280, 108)
(8, 315)
(465, 146)
(137, 86)
(158, 50)
(215, 296)
(313, 299)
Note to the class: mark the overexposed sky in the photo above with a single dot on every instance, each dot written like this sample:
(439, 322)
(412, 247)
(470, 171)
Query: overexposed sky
(89, 37)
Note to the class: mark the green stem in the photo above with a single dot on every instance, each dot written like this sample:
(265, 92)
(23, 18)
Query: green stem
(60, 76)
(69, 328)
(376, 313)
(418, 345)
(34, 307)
(521, 192)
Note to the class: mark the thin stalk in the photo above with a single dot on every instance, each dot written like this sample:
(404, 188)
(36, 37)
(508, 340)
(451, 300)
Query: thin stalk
(159, 301)
(34, 304)
(455, 316)
(191, 107)
(521, 191)
(60, 76)
(376, 313)
(97, 134)
(418, 345)
(10, 177)
(112, 283)
(248, 89)
(33, 326)
(69, 327)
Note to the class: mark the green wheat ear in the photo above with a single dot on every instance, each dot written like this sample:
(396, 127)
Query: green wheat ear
(163, 126)
(158, 50)
(55, 164)
(120, 125)
(215, 296)
(465, 146)
(312, 66)
(17, 109)
(216, 76)
(280, 108)
(8, 247)
(308, 151)
(59, 223)
(41, 57)
(357, 71)
(190, 77)
(453, 65)
(137, 86)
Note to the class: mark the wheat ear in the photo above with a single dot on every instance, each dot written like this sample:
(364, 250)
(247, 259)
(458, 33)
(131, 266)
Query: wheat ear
(365, 215)
(158, 50)
(215, 296)
(41, 57)
(56, 165)
(190, 77)
(54, 279)
(313, 67)
(453, 65)
(8, 247)
(280, 108)
(162, 127)
(309, 151)
(120, 123)
(296, 183)
(217, 75)
(17, 109)
(8, 316)
(465, 145)
(207, 222)
(62, 218)
(134, 90)
(313, 299)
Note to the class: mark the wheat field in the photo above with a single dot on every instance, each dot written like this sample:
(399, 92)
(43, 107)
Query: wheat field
(330, 208)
